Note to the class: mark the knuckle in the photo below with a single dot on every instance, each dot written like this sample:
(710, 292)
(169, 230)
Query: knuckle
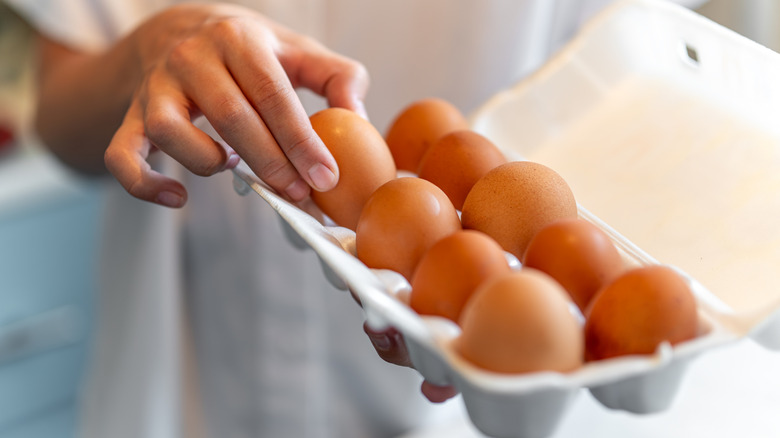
(275, 171)
(137, 189)
(231, 114)
(110, 158)
(206, 166)
(184, 54)
(272, 94)
(299, 146)
(229, 29)
(160, 126)
(356, 69)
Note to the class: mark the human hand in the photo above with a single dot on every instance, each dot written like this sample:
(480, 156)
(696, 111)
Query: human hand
(239, 70)
(390, 346)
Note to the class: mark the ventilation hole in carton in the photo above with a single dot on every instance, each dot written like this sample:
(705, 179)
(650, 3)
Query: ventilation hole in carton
(690, 55)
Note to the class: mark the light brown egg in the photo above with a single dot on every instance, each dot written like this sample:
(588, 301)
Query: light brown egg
(578, 255)
(452, 269)
(418, 126)
(520, 322)
(512, 202)
(640, 309)
(364, 161)
(401, 220)
(456, 161)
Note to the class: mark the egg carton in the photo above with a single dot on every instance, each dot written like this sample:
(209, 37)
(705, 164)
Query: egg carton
(662, 123)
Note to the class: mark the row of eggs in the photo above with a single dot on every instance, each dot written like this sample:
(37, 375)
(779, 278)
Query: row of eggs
(512, 321)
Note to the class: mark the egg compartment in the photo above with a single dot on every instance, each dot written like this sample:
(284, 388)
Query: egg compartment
(628, 121)
(500, 405)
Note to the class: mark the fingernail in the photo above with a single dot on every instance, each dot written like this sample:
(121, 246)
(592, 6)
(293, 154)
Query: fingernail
(170, 199)
(360, 109)
(323, 178)
(381, 341)
(232, 161)
(298, 190)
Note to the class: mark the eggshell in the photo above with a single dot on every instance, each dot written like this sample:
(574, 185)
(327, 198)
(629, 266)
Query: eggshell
(452, 269)
(578, 255)
(364, 161)
(640, 309)
(520, 322)
(418, 126)
(456, 161)
(512, 202)
(400, 221)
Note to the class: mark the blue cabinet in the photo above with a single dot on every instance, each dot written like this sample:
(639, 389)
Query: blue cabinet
(49, 234)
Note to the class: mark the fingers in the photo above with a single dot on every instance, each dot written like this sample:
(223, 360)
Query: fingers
(343, 81)
(233, 117)
(164, 125)
(126, 157)
(264, 82)
(389, 345)
(437, 394)
(240, 73)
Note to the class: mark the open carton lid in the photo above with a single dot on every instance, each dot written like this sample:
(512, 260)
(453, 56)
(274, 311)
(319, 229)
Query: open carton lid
(664, 124)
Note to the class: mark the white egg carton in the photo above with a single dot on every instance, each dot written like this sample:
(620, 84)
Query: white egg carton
(665, 125)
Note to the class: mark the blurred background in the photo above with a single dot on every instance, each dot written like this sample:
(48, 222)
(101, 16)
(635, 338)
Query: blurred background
(49, 233)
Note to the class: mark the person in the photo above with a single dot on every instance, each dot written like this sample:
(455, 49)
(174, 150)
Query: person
(211, 324)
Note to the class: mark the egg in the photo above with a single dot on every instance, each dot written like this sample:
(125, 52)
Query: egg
(363, 158)
(512, 202)
(418, 126)
(578, 255)
(638, 311)
(520, 322)
(400, 222)
(456, 161)
(452, 269)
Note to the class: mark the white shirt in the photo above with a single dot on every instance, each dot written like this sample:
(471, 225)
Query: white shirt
(280, 353)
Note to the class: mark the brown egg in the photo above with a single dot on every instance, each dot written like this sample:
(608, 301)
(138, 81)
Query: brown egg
(364, 161)
(577, 254)
(452, 269)
(456, 161)
(512, 202)
(400, 221)
(418, 126)
(520, 322)
(640, 309)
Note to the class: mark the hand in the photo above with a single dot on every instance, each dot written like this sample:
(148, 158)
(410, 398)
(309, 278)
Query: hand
(239, 70)
(390, 346)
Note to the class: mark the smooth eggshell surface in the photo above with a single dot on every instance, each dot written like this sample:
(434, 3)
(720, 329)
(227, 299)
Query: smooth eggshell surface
(364, 161)
(452, 269)
(637, 311)
(456, 161)
(578, 255)
(418, 126)
(521, 322)
(401, 220)
(512, 202)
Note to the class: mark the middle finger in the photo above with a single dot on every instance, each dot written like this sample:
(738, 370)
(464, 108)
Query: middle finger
(258, 72)
(213, 90)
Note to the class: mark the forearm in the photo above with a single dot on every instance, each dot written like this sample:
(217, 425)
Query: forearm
(82, 99)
